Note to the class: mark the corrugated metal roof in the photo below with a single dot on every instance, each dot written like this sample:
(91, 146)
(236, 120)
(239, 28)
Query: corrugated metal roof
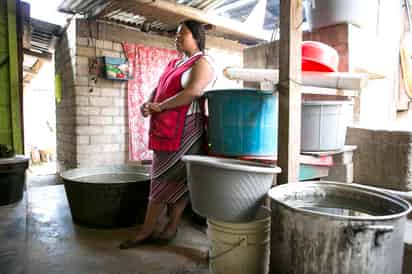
(43, 35)
(122, 11)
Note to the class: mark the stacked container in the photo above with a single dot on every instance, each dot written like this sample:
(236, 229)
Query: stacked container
(324, 123)
(230, 192)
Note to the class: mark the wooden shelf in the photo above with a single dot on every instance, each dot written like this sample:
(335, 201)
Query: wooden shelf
(329, 91)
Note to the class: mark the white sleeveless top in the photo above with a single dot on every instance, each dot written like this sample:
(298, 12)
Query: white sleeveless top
(195, 107)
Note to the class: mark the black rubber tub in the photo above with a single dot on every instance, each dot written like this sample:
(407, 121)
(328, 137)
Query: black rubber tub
(107, 197)
(12, 179)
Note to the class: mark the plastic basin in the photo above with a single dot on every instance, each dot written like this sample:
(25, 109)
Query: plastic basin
(318, 56)
(227, 190)
(324, 125)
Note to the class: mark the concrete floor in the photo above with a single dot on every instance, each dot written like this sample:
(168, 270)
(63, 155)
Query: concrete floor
(55, 245)
(407, 258)
(13, 238)
(46, 241)
(42, 180)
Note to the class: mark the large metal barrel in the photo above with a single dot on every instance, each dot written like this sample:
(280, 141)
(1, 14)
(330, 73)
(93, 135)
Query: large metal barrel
(107, 197)
(336, 228)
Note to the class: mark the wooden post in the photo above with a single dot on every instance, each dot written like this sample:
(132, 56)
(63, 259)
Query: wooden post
(14, 77)
(289, 90)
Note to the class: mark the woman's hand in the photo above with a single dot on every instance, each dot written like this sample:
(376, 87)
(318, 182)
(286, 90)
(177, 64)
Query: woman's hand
(149, 108)
(155, 107)
(144, 109)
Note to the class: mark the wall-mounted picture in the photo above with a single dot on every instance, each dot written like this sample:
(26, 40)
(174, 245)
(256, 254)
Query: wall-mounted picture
(116, 68)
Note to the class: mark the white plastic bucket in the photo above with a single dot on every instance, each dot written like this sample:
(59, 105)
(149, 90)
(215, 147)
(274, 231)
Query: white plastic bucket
(241, 248)
(324, 125)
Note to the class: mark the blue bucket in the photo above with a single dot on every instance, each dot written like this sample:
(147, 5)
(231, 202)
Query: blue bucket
(242, 122)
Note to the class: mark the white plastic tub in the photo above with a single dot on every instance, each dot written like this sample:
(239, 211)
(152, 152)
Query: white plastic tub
(324, 125)
(323, 13)
(228, 190)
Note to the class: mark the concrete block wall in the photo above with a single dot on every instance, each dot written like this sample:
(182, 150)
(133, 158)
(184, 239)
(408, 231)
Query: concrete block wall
(65, 65)
(101, 108)
(92, 115)
(383, 158)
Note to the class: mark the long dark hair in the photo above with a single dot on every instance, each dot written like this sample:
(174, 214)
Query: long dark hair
(198, 31)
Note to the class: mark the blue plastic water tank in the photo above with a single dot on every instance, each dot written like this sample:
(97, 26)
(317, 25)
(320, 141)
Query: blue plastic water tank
(242, 122)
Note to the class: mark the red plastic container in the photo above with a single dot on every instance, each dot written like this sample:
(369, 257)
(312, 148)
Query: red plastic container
(318, 56)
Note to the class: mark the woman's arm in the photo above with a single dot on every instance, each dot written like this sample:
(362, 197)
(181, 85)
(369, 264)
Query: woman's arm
(152, 95)
(201, 75)
(144, 108)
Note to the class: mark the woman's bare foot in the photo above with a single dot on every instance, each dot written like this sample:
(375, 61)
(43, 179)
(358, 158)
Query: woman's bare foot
(144, 236)
(168, 233)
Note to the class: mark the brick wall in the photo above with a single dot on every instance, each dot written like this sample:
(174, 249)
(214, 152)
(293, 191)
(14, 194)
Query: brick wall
(92, 122)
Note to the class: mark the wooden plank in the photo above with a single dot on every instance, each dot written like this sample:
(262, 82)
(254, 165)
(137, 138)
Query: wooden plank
(289, 90)
(332, 152)
(172, 13)
(5, 127)
(329, 80)
(330, 91)
(44, 56)
(5, 136)
(316, 160)
(3, 42)
(4, 87)
(113, 32)
(309, 172)
(14, 77)
(4, 121)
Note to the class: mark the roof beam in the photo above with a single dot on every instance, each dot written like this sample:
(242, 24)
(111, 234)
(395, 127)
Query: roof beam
(44, 56)
(171, 13)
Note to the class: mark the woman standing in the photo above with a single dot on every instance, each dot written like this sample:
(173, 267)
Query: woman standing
(176, 129)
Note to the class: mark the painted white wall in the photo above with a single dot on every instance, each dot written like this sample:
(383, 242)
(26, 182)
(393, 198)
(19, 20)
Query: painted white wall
(223, 59)
(375, 48)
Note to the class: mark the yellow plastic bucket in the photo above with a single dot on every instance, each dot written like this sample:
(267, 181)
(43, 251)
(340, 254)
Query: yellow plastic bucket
(241, 248)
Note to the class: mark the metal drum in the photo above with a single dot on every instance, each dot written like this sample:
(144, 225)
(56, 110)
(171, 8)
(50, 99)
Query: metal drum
(106, 197)
(336, 228)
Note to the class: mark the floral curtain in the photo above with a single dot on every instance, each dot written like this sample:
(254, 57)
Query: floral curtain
(147, 64)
